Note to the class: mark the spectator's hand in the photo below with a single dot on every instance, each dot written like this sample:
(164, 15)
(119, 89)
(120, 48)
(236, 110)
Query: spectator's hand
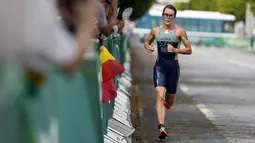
(121, 24)
(103, 37)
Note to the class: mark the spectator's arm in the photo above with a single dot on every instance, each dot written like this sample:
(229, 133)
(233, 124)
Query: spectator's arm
(114, 6)
(104, 26)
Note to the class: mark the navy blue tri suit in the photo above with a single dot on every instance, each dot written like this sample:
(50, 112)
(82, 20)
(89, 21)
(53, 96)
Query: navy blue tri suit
(166, 70)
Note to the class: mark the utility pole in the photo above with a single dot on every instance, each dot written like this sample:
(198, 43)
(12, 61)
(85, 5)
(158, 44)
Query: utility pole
(250, 26)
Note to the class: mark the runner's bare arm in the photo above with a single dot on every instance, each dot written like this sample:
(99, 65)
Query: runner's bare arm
(183, 36)
(150, 39)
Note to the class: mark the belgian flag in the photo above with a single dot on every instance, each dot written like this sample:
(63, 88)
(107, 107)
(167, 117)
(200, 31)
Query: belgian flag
(110, 68)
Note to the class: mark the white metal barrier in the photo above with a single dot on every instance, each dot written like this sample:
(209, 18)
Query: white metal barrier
(120, 126)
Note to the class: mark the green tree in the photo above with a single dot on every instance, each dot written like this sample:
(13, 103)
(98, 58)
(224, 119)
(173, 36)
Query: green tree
(235, 7)
(183, 6)
(140, 7)
(198, 5)
(252, 2)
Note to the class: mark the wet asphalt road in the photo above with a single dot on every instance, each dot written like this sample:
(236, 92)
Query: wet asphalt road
(215, 99)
